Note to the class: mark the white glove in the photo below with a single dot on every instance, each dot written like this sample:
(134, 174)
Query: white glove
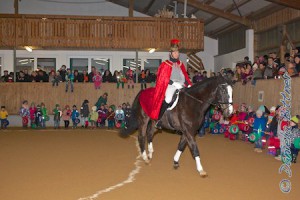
(189, 86)
(177, 85)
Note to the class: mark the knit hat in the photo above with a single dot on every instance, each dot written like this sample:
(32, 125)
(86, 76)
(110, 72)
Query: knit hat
(262, 108)
(295, 120)
(272, 109)
(259, 112)
(174, 45)
(94, 108)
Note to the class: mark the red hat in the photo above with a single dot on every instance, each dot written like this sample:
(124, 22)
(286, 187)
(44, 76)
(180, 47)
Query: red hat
(174, 45)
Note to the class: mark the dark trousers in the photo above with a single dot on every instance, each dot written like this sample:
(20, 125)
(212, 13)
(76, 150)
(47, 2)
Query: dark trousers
(67, 122)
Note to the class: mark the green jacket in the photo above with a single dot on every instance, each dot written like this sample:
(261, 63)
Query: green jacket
(44, 111)
(100, 101)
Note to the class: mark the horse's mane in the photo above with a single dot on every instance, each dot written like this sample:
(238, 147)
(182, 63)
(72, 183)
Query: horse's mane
(203, 84)
(208, 82)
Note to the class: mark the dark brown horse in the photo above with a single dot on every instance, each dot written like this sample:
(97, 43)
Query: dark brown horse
(186, 117)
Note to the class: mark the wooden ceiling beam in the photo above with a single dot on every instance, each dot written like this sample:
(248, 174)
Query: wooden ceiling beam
(253, 16)
(288, 3)
(229, 9)
(218, 12)
(146, 10)
(208, 2)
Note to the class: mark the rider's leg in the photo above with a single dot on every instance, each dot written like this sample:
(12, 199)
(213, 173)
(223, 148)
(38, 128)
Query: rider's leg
(168, 98)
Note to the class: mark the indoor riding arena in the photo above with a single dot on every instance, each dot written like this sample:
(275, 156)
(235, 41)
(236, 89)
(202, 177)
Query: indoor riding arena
(86, 85)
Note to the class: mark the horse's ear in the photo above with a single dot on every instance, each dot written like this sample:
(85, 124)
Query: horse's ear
(229, 77)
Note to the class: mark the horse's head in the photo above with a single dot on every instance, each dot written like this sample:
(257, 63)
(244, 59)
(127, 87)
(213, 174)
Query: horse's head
(224, 95)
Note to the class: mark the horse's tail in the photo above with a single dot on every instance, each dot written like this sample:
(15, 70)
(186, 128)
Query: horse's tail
(132, 122)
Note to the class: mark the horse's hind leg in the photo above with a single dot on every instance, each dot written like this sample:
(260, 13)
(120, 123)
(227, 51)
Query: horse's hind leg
(194, 149)
(142, 139)
(181, 146)
(150, 132)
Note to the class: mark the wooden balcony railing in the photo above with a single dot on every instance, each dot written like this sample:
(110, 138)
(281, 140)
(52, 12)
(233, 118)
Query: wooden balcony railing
(78, 32)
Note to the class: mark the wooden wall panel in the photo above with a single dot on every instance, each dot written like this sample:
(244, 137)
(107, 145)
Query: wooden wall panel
(249, 94)
(44, 31)
(12, 94)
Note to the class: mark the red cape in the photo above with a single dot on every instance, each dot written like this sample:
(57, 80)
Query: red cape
(151, 99)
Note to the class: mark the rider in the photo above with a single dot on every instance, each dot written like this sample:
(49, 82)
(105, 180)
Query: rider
(171, 76)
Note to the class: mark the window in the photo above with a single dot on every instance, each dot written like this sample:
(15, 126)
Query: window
(25, 64)
(79, 64)
(46, 64)
(130, 63)
(101, 64)
(152, 64)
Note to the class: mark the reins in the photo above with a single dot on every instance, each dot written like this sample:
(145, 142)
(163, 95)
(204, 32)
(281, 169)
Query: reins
(211, 103)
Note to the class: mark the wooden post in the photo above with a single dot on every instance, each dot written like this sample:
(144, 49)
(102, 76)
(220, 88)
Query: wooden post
(16, 5)
(137, 71)
(131, 2)
(283, 44)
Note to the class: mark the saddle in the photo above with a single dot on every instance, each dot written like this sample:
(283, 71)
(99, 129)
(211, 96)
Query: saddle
(174, 101)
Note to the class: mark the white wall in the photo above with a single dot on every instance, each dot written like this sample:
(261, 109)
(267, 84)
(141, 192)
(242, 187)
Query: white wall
(230, 59)
(209, 53)
(102, 8)
(63, 57)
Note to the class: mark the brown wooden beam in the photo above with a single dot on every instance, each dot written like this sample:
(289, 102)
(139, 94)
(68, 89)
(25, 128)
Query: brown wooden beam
(208, 2)
(253, 16)
(229, 9)
(131, 4)
(16, 5)
(288, 3)
(148, 6)
(218, 12)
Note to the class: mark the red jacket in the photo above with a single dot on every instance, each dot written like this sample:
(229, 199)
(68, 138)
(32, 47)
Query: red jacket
(151, 99)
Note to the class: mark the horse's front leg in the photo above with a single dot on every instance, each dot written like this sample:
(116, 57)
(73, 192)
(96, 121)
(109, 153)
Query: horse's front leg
(181, 146)
(194, 149)
(150, 133)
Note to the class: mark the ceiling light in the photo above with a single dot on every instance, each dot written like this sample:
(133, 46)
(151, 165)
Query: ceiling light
(28, 48)
(152, 50)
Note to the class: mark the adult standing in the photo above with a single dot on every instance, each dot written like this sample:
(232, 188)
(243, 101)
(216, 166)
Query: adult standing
(102, 100)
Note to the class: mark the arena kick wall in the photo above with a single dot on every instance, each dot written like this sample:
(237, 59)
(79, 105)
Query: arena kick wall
(12, 94)
(271, 89)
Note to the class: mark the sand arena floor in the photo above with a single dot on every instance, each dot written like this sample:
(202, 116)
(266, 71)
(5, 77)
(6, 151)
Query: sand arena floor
(78, 164)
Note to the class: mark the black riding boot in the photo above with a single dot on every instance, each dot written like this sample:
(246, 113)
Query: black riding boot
(163, 108)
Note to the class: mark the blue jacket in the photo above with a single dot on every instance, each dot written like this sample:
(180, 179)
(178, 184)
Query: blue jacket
(260, 123)
(75, 114)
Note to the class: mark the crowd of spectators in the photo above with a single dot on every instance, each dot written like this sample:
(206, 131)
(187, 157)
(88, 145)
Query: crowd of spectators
(268, 67)
(263, 67)
(62, 74)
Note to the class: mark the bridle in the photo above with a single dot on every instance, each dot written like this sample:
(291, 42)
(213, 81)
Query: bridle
(216, 104)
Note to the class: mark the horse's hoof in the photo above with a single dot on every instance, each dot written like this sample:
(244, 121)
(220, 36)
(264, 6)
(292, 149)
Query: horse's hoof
(203, 174)
(176, 165)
